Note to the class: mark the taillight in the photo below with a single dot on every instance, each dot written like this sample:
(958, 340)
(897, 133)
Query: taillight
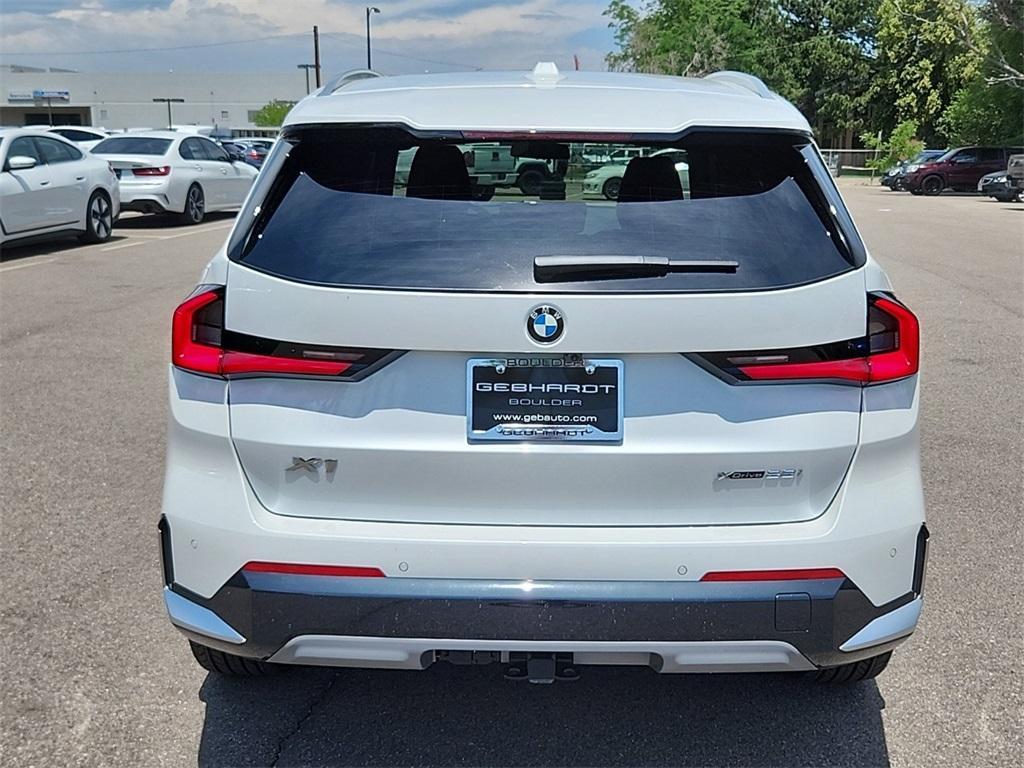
(199, 343)
(162, 170)
(888, 351)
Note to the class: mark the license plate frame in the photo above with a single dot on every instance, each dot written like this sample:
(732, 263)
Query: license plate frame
(552, 373)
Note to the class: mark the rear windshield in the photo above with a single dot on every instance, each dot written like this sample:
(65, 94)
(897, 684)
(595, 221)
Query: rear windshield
(381, 208)
(132, 145)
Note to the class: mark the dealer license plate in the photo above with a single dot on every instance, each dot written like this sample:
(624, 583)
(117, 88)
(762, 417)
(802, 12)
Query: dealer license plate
(561, 399)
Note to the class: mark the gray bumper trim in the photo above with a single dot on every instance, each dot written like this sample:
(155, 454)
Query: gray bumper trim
(194, 618)
(891, 626)
(418, 653)
(533, 591)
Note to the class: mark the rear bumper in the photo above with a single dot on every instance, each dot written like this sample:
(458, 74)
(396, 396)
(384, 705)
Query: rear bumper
(149, 198)
(147, 204)
(671, 626)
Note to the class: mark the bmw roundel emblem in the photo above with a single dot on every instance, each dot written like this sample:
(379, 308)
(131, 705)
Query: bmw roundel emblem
(545, 324)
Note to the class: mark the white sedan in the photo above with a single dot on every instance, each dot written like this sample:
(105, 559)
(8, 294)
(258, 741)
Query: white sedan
(170, 172)
(85, 138)
(606, 180)
(49, 186)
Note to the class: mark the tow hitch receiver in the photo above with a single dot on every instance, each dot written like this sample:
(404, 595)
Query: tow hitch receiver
(541, 668)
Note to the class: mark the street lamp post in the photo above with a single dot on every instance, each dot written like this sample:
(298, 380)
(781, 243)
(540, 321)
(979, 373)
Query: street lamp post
(369, 10)
(168, 100)
(306, 67)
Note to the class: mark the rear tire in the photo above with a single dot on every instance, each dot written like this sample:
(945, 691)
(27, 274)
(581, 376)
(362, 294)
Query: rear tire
(855, 672)
(530, 181)
(611, 189)
(933, 185)
(99, 219)
(195, 206)
(229, 665)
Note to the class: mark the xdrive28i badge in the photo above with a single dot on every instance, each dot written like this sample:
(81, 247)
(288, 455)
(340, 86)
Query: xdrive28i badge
(545, 324)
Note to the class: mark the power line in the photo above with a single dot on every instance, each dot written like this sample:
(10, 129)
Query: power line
(148, 50)
(342, 37)
(345, 38)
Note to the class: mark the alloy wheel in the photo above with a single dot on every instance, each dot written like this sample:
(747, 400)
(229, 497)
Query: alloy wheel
(195, 204)
(101, 217)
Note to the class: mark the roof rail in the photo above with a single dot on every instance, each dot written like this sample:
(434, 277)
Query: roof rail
(742, 80)
(340, 81)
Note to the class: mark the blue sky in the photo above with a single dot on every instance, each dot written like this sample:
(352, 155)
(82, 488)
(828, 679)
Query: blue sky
(274, 35)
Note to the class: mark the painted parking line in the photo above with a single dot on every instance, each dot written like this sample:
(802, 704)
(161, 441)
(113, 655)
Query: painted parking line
(119, 246)
(196, 231)
(13, 267)
(190, 231)
(129, 243)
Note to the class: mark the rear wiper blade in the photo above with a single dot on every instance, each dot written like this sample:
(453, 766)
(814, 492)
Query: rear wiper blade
(554, 269)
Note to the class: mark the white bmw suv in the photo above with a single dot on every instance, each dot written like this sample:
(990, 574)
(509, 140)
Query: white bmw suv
(677, 430)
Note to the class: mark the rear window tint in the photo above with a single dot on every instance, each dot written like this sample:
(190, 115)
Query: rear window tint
(132, 145)
(378, 208)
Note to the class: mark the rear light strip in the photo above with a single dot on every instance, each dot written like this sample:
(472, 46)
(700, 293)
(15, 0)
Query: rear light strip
(786, 574)
(360, 571)
(890, 350)
(162, 170)
(302, 569)
(199, 343)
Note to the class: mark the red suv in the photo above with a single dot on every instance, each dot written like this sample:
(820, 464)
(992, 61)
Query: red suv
(958, 169)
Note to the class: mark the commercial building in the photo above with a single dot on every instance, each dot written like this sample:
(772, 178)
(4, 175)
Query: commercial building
(119, 101)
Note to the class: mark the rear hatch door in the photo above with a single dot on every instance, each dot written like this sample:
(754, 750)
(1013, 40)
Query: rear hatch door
(445, 282)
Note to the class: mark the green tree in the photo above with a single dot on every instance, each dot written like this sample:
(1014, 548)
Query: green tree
(902, 144)
(273, 114)
(817, 53)
(990, 108)
(820, 55)
(923, 61)
(682, 37)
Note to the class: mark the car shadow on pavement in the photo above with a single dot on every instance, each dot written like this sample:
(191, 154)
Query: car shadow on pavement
(448, 716)
(46, 245)
(164, 220)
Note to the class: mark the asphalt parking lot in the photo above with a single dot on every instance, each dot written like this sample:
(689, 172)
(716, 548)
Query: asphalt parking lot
(94, 675)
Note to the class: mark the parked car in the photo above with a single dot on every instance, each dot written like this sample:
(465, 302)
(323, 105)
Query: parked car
(1015, 175)
(50, 186)
(85, 138)
(234, 151)
(173, 172)
(959, 169)
(250, 151)
(492, 166)
(896, 177)
(262, 142)
(997, 185)
(410, 427)
(606, 180)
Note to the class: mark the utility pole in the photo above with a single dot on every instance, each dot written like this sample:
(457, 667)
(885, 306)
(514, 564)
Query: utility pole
(307, 67)
(316, 53)
(369, 10)
(168, 100)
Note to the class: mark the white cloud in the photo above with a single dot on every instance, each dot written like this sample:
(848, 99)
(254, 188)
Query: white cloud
(487, 33)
